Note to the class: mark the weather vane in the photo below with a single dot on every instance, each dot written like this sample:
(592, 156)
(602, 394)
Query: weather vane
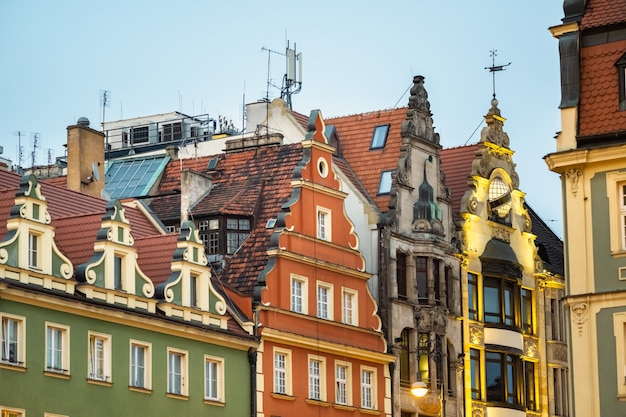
(494, 68)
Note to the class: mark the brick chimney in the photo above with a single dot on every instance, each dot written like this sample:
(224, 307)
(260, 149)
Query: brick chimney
(85, 158)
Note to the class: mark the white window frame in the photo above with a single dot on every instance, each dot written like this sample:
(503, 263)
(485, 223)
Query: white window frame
(323, 224)
(615, 181)
(282, 371)
(182, 373)
(34, 250)
(343, 383)
(19, 340)
(369, 389)
(299, 294)
(329, 303)
(52, 346)
(134, 369)
(317, 380)
(103, 374)
(349, 306)
(216, 375)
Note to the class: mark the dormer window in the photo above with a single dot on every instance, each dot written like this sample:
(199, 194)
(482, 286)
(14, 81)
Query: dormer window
(223, 235)
(193, 291)
(621, 74)
(379, 138)
(118, 274)
(237, 231)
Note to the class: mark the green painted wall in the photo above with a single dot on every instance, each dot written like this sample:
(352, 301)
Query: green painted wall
(609, 404)
(605, 266)
(38, 393)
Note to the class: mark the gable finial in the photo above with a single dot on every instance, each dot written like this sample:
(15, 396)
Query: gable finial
(494, 68)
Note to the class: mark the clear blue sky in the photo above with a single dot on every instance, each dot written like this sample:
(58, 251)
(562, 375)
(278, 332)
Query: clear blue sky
(358, 56)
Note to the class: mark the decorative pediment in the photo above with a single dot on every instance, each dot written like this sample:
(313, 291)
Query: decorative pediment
(29, 242)
(112, 273)
(188, 292)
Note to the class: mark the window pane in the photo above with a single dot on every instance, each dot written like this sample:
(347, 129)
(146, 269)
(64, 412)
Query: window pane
(422, 278)
(472, 296)
(491, 297)
(495, 383)
(379, 137)
(314, 380)
(384, 186)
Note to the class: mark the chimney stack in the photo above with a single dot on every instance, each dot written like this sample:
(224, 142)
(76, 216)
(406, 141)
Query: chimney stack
(85, 159)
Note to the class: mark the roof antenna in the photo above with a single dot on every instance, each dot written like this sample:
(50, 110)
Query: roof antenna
(494, 68)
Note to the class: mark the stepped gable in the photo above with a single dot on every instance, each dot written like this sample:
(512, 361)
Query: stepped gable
(603, 13)
(457, 166)
(355, 136)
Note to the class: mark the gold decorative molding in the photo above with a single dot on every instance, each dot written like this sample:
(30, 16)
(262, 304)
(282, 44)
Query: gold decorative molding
(531, 348)
(477, 335)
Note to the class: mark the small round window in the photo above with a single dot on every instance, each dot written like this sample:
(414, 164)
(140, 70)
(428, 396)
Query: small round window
(322, 167)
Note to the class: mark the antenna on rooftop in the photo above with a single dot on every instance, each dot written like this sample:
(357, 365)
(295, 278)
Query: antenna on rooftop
(292, 80)
(495, 68)
(20, 150)
(33, 154)
(105, 101)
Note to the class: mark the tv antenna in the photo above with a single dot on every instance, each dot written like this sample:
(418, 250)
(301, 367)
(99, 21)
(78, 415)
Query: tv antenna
(20, 150)
(495, 68)
(33, 154)
(292, 80)
(105, 101)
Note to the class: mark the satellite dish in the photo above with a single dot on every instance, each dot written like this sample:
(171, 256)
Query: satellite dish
(95, 172)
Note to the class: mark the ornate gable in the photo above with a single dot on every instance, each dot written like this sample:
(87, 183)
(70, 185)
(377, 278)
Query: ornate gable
(29, 242)
(188, 293)
(112, 274)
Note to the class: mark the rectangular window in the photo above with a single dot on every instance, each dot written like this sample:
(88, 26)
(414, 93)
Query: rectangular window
(299, 294)
(622, 210)
(13, 340)
(140, 364)
(140, 134)
(282, 371)
(343, 383)
(57, 348)
(368, 388)
(492, 300)
(193, 290)
(379, 137)
(349, 307)
(213, 378)
(118, 275)
(531, 386)
(237, 232)
(11, 412)
(405, 359)
(315, 387)
(324, 301)
(437, 280)
(527, 311)
(475, 374)
(472, 295)
(502, 375)
(401, 275)
(33, 250)
(421, 275)
(99, 357)
(323, 224)
(384, 186)
(176, 372)
(561, 396)
(172, 131)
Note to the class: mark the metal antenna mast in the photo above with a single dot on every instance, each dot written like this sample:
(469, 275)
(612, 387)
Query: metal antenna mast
(105, 101)
(495, 68)
(33, 154)
(292, 80)
(20, 154)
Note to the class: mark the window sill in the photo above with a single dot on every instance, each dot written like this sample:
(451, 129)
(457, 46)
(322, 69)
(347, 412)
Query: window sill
(178, 396)
(369, 411)
(618, 253)
(216, 403)
(100, 382)
(344, 407)
(283, 396)
(13, 366)
(319, 403)
(140, 389)
(57, 374)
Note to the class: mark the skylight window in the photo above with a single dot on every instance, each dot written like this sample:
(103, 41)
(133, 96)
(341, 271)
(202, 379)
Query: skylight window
(133, 177)
(385, 183)
(380, 137)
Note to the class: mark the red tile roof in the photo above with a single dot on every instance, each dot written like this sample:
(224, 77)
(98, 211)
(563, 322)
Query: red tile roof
(603, 13)
(457, 165)
(599, 111)
(155, 254)
(355, 135)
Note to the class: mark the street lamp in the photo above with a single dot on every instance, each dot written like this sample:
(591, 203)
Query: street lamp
(419, 388)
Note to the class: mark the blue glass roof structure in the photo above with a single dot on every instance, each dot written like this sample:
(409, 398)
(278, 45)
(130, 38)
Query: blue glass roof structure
(134, 177)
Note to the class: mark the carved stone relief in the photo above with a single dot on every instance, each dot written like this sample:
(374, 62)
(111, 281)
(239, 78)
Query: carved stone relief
(579, 313)
(573, 177)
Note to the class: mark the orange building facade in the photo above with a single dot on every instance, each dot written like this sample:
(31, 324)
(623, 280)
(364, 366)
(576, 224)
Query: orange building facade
(322, 348)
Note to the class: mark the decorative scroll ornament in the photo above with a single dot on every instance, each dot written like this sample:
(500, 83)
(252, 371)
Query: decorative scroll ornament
(573, 177)
(477, 335)
(530, 348)
(579, 312)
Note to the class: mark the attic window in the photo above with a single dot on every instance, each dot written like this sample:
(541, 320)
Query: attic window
(270, 223)
(621, 74)
(385, 183)
(380, 137)
(212, 164)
